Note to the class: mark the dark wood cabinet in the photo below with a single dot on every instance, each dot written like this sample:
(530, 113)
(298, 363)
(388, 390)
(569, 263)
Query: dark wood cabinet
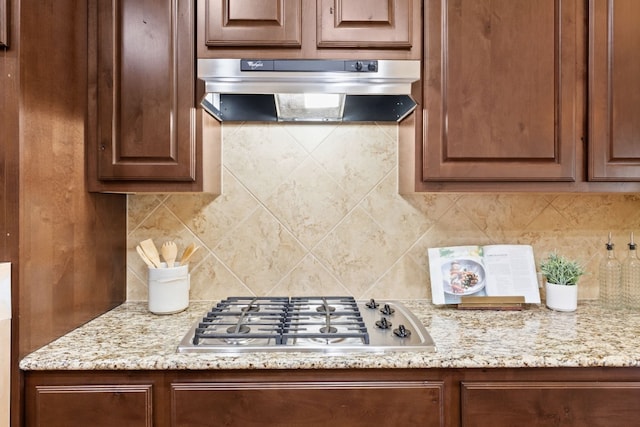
(550, 403)
(513, 99)
(500, 90)
(309, 29)
(309, 403)
(614, 90)
(365, 23)
(386, 24)
(144, 126)
(104, 405)
(253, 23)
(345, 397)
(4, 24)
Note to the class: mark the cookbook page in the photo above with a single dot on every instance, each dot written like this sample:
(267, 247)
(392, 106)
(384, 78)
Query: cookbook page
(511, 271)
(456, 271)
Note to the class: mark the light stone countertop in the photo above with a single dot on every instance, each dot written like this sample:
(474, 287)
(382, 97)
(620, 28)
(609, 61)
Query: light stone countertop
(131, 338)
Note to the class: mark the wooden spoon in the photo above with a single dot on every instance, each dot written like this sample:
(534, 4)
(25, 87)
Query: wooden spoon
(144, 257)
(189, 250)
(169, 251)
(151, 252)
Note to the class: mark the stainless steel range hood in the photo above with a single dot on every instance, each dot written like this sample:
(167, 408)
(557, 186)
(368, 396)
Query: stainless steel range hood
(307, 90)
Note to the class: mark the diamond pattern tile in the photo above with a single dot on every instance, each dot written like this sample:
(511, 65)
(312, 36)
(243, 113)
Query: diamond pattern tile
(313, 209)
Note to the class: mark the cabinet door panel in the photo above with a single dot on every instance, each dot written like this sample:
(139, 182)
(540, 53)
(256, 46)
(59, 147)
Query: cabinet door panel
(500, 90)
(614, 85)
(407, 403)
(253, 23)
(4, 25)
(92, 405)
(146, 114)
(606, 404)
(365, 23)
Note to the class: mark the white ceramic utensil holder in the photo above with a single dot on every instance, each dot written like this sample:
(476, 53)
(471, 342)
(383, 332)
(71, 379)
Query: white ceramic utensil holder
(169, 289)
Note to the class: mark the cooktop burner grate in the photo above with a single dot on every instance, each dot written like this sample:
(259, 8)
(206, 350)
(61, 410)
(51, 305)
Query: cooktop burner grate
(323, 323)
(282, 319)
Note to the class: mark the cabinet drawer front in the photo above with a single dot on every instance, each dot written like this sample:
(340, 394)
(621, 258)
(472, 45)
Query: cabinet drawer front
(406, 403)
(91, 405)
(606, 404)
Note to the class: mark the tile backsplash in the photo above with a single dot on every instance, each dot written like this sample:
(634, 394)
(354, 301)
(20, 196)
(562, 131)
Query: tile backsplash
(314, 209)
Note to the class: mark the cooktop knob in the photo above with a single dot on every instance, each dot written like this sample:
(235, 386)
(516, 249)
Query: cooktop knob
(372, 303)
(383, 323)
(387, 309)
(402, 332)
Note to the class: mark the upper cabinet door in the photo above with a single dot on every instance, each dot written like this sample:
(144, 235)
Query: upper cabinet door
(4, 25)
(253, 23)
(366, 23)
(146, 117)
(614, 90)
(500, 94)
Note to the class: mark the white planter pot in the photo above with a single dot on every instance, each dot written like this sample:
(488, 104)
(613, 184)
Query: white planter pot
(562, 297)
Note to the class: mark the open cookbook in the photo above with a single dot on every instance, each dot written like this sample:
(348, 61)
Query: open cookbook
(491, 270)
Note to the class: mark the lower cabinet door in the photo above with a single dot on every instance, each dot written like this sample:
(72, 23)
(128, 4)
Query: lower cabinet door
(589, 403)
(90, 405)
(375, 403)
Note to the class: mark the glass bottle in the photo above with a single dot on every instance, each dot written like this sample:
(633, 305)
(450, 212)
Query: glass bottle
(610, 278)
(631, 278)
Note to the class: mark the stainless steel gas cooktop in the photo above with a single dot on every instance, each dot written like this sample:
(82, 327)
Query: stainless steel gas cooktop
(307, 324)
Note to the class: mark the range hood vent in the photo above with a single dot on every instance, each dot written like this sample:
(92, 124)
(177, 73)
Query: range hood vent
(307, 90)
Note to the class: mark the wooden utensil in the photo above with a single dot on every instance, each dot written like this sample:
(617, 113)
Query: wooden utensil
(189, 250)
(169, 251)
(151, 252)
(144, 257)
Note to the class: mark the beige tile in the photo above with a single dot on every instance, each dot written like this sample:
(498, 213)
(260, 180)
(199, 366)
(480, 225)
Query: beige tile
(310, 135)
(599, 211)
(404, 220)
(358, 251)
(261, 252)
(497, 215)
(309, 203)
(137, 287)
(212, 218)
(139, 206)
(211, 280)
(261, 156)
(358, 157)
(309, 278)
(334, 185)
(406, 279)
(455, 228)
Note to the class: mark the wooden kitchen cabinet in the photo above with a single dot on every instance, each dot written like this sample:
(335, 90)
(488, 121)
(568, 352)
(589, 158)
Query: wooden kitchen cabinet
(105, 405)
(365, 23)
(550, 403)
(93, 398)
(345, 397)
(309, 403)
(309, 29)
(513, 100)
(614, 90)
(253, 23)
(500, 95)
(4, 30)
(144, 128)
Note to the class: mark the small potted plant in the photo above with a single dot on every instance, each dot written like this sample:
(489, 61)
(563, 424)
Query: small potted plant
(562, 276)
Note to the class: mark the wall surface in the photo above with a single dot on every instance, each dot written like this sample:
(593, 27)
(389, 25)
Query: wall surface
(314, 209)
